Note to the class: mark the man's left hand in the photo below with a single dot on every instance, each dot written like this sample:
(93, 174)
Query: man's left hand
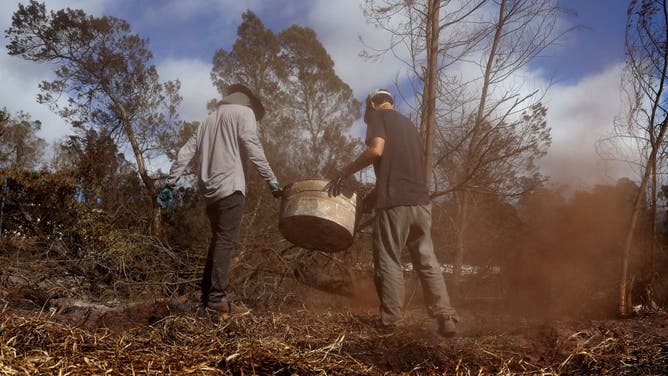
(165, 198)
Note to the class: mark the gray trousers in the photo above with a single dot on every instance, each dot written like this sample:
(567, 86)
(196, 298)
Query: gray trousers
(409, 227)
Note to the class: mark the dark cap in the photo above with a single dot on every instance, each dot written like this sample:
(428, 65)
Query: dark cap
(255, 102)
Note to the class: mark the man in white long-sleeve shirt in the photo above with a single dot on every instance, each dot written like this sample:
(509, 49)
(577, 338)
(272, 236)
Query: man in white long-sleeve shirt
(223, 144)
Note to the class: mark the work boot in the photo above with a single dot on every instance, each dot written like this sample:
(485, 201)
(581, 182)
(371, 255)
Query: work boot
(183, 303)
(388, 329)
(225, 306)
(446, 326)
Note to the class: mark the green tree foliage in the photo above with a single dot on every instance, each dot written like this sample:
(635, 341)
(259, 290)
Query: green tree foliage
(104, 71)
(309, 112)
(105, 180)
(309, 107)
(20, 147)
(319, 103)
(253, 60)
(93, 160)
(171, 141)
(39, 205)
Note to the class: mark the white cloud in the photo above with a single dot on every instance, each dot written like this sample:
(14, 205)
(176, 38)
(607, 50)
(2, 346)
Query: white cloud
(20, 82)
(20, 78)
(7, 8)
(339, 25)
(90, 6)
(173, 11)
(185, 10)
(178, 11)
(580, 115)
(196, 86)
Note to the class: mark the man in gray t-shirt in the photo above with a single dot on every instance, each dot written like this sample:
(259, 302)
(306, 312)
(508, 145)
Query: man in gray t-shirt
(223, 144)
(403, 213)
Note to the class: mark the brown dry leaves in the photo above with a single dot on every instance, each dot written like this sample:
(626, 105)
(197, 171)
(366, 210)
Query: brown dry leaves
(309, 342)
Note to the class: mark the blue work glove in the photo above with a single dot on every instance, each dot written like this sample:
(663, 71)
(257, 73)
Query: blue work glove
(276, 189)
(335, 186)
(165, 198)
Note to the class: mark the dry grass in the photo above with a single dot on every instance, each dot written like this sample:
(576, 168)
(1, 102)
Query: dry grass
(79, 311)
(307, 342)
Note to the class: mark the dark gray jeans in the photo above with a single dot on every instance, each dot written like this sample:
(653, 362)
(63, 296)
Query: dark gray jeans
(410, 227)
(225, 217)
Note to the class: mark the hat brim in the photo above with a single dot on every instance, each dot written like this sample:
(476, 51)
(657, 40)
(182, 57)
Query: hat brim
(256, 103)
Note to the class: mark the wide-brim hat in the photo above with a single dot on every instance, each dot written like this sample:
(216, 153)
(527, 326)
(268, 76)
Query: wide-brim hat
(255, 102)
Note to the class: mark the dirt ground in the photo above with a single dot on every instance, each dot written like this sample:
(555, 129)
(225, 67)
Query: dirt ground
(40, 334)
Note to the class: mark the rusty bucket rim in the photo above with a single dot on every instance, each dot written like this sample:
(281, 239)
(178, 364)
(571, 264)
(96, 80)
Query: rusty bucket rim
(351, 196)
(314, 190)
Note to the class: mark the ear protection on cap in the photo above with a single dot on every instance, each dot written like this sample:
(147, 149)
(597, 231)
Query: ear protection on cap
(373, 94)
(377, 92)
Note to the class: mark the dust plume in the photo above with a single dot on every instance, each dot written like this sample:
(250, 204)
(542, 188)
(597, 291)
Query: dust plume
(568, 259)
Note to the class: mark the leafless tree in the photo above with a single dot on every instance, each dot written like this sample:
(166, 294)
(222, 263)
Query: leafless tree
(507, 132)
(489, 131)
(646, 68)
(415, 28)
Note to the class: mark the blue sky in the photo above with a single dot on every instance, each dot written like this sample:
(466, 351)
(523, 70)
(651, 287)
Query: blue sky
(598, 42)
(184, 35)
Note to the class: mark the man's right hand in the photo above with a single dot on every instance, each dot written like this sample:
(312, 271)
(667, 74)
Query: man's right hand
(335, 186)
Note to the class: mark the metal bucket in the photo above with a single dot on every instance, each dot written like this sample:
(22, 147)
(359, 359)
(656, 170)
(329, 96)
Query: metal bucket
(309, 218)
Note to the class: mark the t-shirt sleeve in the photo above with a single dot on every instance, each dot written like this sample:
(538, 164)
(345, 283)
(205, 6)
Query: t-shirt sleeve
(375, 127)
